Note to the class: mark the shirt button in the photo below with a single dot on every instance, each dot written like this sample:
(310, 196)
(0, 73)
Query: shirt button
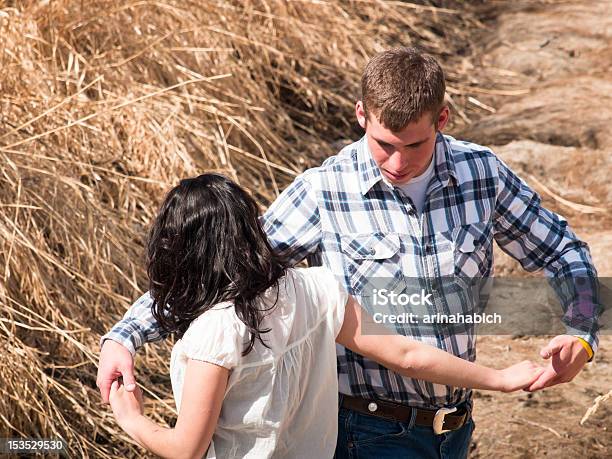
(372, 251)
(372, 407)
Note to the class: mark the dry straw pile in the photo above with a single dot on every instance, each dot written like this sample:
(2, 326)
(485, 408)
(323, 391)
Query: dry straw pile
(103, 106)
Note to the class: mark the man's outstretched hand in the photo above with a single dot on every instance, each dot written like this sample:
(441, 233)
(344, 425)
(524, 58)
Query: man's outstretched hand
(567, 357)
(115, 361)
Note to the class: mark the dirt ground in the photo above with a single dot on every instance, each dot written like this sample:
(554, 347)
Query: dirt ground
(554, 57)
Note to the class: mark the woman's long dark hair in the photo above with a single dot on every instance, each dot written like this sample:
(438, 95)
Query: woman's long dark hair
(207, 246)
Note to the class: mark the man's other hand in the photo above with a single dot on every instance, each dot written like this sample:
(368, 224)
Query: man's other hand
(567, 357)
(115, 361)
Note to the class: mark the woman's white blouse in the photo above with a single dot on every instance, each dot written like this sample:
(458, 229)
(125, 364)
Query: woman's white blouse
(281, 401)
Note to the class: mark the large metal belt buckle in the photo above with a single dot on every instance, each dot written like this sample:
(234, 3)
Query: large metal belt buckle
(438, 422)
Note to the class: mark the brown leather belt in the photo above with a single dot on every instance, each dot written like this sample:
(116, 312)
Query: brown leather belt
(442, 420)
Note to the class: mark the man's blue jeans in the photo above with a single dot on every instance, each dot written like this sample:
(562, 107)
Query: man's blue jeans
(362, 436)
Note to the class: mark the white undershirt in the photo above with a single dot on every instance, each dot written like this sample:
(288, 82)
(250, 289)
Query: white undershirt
(417, 187)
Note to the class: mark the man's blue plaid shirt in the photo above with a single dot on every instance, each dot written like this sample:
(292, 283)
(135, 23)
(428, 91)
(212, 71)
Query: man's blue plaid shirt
(346, 216)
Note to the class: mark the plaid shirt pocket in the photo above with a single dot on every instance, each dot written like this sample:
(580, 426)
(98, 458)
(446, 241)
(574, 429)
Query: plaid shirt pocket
(371, 261)
(473, 250)
(464, 256)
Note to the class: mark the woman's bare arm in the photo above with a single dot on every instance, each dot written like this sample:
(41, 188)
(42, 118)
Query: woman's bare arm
(201, 402)
(417, 360)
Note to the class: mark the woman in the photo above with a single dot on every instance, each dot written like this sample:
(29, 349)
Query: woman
(254, 368)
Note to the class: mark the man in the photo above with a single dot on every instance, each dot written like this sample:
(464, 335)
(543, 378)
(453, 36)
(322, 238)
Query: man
(405, 202)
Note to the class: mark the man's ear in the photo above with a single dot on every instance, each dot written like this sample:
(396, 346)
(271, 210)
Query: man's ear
(360, 114)
(443, 118)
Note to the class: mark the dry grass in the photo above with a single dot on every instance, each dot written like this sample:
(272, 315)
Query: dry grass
(103, 106)
(596, 404)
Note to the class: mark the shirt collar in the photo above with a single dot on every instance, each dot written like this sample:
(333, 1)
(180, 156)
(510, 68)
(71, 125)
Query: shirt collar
(369, 172)
(445, 162)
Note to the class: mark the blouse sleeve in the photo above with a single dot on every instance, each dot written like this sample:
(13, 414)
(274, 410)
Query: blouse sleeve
(215, 337)
(331, 296)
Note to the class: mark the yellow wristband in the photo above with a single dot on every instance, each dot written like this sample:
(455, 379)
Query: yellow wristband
(587, 347)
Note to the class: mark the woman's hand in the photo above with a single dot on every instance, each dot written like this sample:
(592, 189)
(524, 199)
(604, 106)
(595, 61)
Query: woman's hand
(519, 376)
(126, 406)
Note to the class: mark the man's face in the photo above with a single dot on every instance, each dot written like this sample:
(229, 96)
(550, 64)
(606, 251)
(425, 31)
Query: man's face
(401, 155)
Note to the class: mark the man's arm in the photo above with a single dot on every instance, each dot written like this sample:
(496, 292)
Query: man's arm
(292, 223)
(137, 327)
(119, 346)
(541, 239)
